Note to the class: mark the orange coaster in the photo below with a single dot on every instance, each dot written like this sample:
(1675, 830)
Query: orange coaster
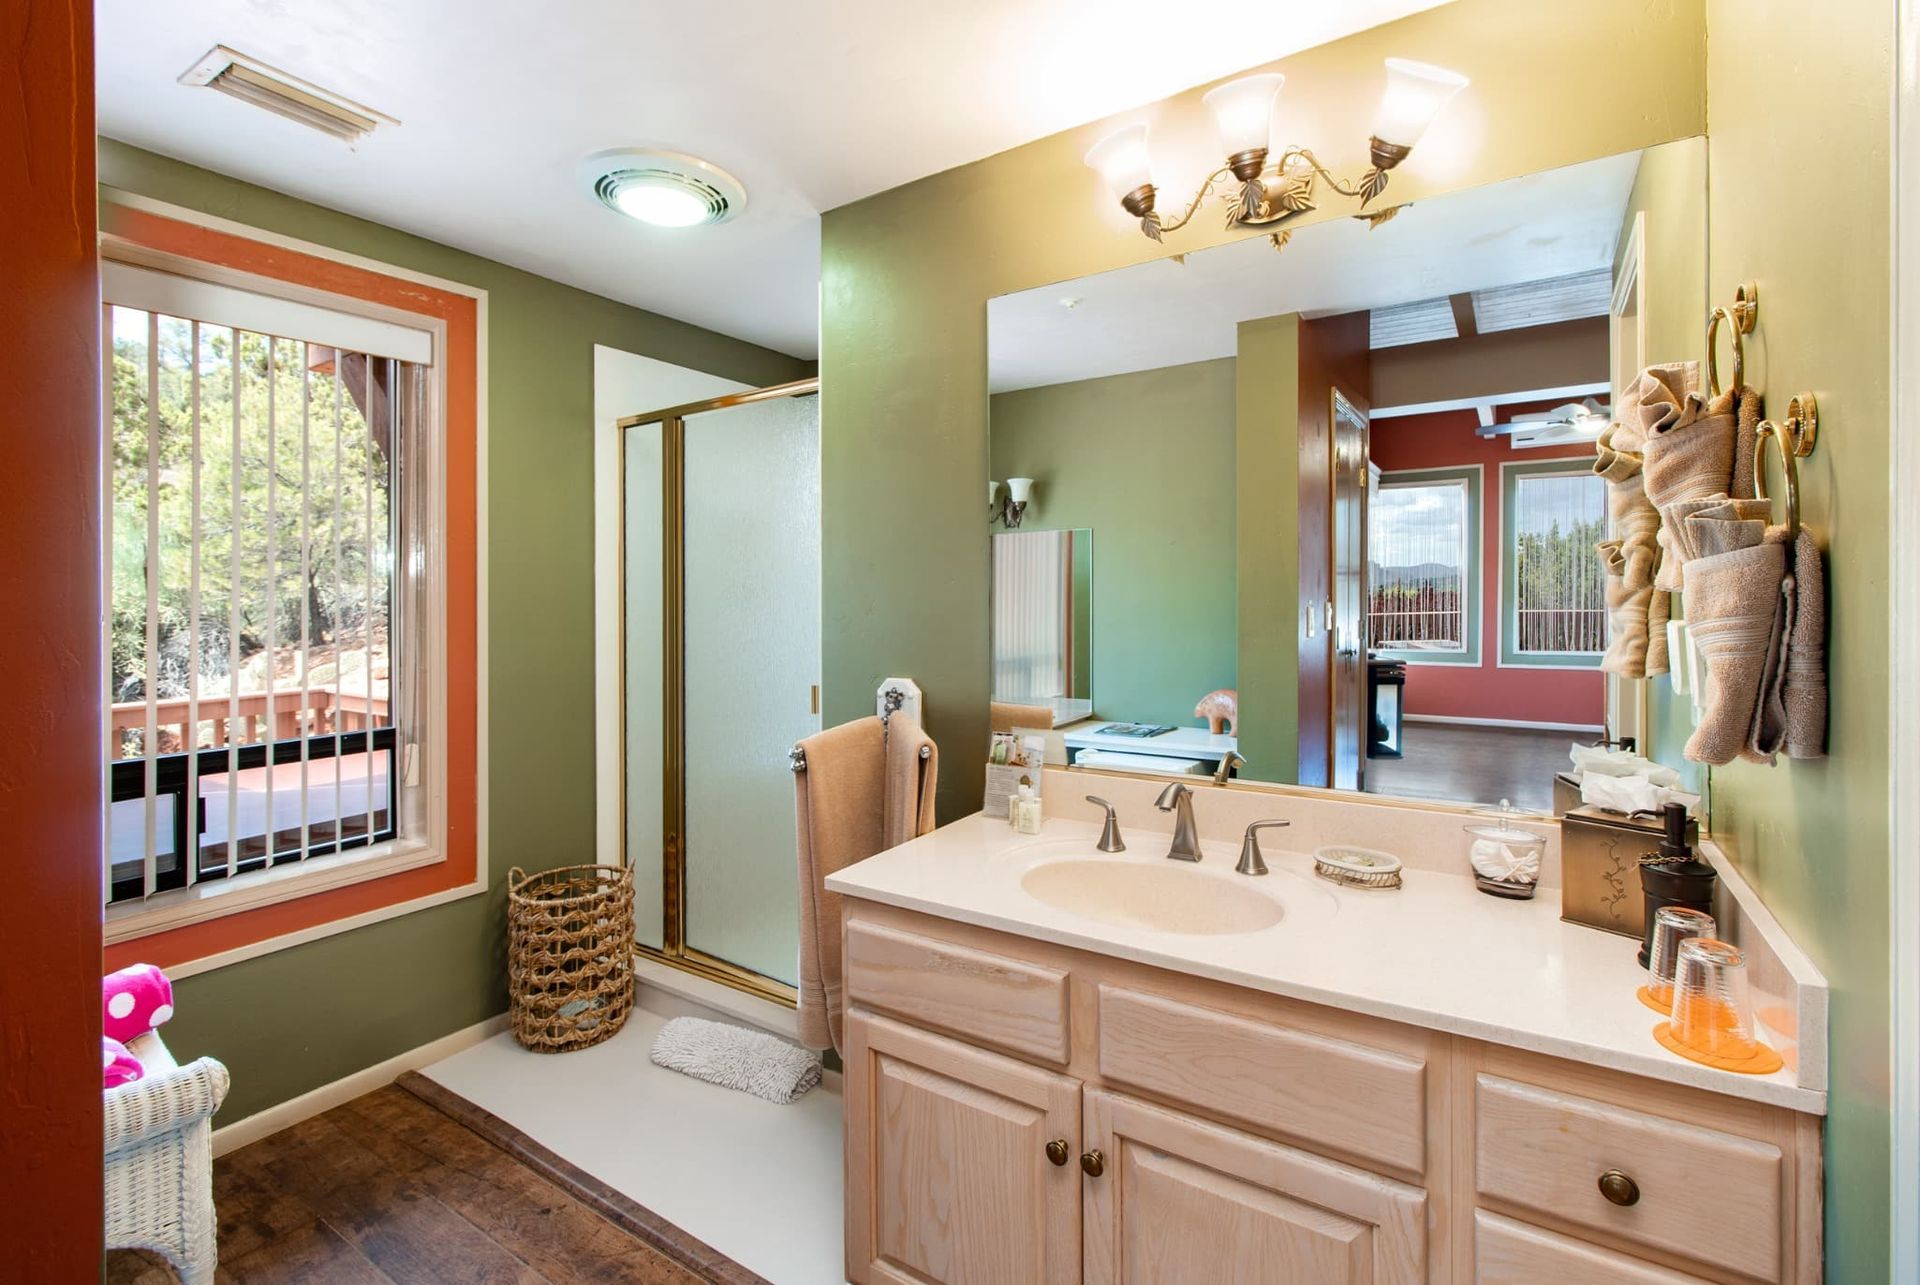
(1645, 996)
(1763, 1062)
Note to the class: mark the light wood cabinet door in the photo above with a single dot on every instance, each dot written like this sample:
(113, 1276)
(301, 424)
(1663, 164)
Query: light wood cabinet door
(1182, 1200)
(948, 1173)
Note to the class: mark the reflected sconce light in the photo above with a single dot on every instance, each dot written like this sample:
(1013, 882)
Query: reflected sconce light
(1267, 194)
(1010, 508)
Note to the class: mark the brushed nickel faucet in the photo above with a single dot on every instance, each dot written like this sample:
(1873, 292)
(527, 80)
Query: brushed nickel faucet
(1251, 862)
(1178, 799)
(1228, 761)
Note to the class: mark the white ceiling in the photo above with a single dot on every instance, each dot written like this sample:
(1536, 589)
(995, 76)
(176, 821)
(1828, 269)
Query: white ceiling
(810, 105)
(1168, 313)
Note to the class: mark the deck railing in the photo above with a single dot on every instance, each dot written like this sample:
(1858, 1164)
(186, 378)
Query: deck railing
(279, 715)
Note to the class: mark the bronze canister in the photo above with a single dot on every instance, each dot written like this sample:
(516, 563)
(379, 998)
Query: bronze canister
(1600, 855)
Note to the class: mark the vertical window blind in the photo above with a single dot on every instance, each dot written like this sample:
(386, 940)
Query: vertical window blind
(1558, 585)
(1032, 578)
(1419, 544)
(256, 638)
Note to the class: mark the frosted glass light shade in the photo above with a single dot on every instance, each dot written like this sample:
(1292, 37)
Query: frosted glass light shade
(1019, 489)
(1416, 91)
(1243, 111)
(1121, 159)
(993, 494)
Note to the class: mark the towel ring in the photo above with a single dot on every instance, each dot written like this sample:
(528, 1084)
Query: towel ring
(1795, 438)
(1740, 319)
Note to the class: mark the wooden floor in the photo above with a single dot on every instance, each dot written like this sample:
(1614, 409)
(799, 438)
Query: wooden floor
(388, 1188)
(1467, 764)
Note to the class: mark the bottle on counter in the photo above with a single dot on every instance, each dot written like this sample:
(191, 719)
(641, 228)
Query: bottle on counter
(1023, 810)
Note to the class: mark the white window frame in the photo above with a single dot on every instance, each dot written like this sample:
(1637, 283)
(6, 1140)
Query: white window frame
(1506, 645)
(426, 764)
(1472, 479)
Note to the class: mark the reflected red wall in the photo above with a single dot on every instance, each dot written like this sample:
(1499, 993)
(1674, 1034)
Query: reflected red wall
(50, 644)
(1448, 439)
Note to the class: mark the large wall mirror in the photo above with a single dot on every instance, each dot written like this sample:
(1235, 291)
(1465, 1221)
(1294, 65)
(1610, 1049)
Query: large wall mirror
(1343, 491)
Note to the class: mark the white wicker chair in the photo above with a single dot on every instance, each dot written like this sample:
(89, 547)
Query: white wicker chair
(159, 1139)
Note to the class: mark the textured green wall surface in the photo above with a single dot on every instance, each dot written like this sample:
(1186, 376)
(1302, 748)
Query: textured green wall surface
(1813, 836)
(290, 1021)
(1266, 423)
(905, 276)
(1146, 461)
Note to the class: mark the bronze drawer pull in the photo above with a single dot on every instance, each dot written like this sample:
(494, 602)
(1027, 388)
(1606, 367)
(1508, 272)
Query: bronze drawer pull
(1619, 1188)
(1093, 1163)
(1058, 1151)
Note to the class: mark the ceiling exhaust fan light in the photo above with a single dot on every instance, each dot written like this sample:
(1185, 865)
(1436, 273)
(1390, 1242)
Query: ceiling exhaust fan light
(1416, 91)
(1243, 111)
(663, 189)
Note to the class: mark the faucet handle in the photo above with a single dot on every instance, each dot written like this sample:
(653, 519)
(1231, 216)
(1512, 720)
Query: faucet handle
(1251, 862)
(1110, 840)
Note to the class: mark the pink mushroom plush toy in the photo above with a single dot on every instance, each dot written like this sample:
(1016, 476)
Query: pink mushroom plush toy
(137, 998)
(117, 1066)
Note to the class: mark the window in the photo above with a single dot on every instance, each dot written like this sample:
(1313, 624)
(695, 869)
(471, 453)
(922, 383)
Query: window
(1424, 566)
(1554, 613)
(264, 553)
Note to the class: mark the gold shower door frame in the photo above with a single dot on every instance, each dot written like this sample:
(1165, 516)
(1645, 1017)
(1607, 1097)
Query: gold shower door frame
(674, 950)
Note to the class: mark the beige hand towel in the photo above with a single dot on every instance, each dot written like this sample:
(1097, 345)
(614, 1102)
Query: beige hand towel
(1720, 528)
(1748, 411)
(1688, 456)
(1659, 611)
(1732, 606)
(1631, 558)
(911, 781)
(866, 788)
(1804, 683)
(1769, 730)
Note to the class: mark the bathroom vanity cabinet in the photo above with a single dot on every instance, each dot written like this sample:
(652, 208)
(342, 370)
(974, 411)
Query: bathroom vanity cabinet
(1021, 1111)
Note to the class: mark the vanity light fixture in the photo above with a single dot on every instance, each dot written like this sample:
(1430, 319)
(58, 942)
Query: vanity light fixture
(665, 189)
(1009, 510)
(1271, 194)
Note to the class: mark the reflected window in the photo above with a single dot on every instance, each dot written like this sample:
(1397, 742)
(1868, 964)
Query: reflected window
(1555, 513)
(1423, 581)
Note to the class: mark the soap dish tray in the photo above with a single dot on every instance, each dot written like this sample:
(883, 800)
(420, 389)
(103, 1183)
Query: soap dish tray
(1354, 867)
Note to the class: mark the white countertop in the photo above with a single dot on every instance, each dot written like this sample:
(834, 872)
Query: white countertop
(1437, 953)
(1181, 742)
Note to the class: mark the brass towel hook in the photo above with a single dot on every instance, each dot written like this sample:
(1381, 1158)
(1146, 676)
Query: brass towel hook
(1795, 437)
(1740, 319)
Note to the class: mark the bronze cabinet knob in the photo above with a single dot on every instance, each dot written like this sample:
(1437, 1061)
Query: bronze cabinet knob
(1058, 1151)
(1093, 1163)
(1619, 1188)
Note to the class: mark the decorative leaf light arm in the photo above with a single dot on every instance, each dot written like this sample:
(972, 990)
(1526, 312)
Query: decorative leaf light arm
(1280, 192)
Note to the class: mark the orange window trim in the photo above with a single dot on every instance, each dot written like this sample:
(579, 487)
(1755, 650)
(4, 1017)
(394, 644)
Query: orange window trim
(461, 315)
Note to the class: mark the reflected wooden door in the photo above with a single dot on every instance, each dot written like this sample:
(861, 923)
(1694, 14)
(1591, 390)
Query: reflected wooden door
(1348, 640)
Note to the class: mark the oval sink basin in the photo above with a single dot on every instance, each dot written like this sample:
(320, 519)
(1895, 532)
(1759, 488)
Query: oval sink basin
(1162, 898)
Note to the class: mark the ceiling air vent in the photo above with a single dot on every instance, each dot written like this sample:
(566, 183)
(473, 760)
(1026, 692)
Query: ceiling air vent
(252, 81)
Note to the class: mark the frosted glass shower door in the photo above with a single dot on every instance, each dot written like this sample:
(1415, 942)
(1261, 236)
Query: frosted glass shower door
(752, 662)
(643, 696)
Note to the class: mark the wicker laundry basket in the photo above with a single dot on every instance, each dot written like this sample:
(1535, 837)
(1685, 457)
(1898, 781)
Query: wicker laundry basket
(569, 955)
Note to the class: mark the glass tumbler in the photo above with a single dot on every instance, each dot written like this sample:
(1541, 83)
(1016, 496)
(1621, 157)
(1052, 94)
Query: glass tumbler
(1671, 926)
(1712, 1007)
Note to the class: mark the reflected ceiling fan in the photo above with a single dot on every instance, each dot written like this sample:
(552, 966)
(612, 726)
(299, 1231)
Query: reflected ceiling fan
(1580, 421)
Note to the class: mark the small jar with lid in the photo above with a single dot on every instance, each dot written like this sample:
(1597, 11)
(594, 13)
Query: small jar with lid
(1505, 858)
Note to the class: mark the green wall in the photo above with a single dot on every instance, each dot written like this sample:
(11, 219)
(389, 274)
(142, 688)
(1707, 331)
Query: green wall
(1145, 460)
(296, 1019)
(905, 276)
(1266, 424)
(1813, 836)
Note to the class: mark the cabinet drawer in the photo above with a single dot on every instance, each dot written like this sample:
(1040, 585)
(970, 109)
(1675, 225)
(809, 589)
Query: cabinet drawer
(990, 999)
(1323, 1092)
(1510, 1253)
(1706, 1195)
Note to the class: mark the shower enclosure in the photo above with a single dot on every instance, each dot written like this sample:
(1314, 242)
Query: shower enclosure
(720, 664)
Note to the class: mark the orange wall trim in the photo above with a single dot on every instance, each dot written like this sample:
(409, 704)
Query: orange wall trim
(460, 313)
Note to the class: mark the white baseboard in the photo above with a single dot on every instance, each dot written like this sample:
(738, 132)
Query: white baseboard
(662, 984)
(230, 1137)
(1531, 724)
